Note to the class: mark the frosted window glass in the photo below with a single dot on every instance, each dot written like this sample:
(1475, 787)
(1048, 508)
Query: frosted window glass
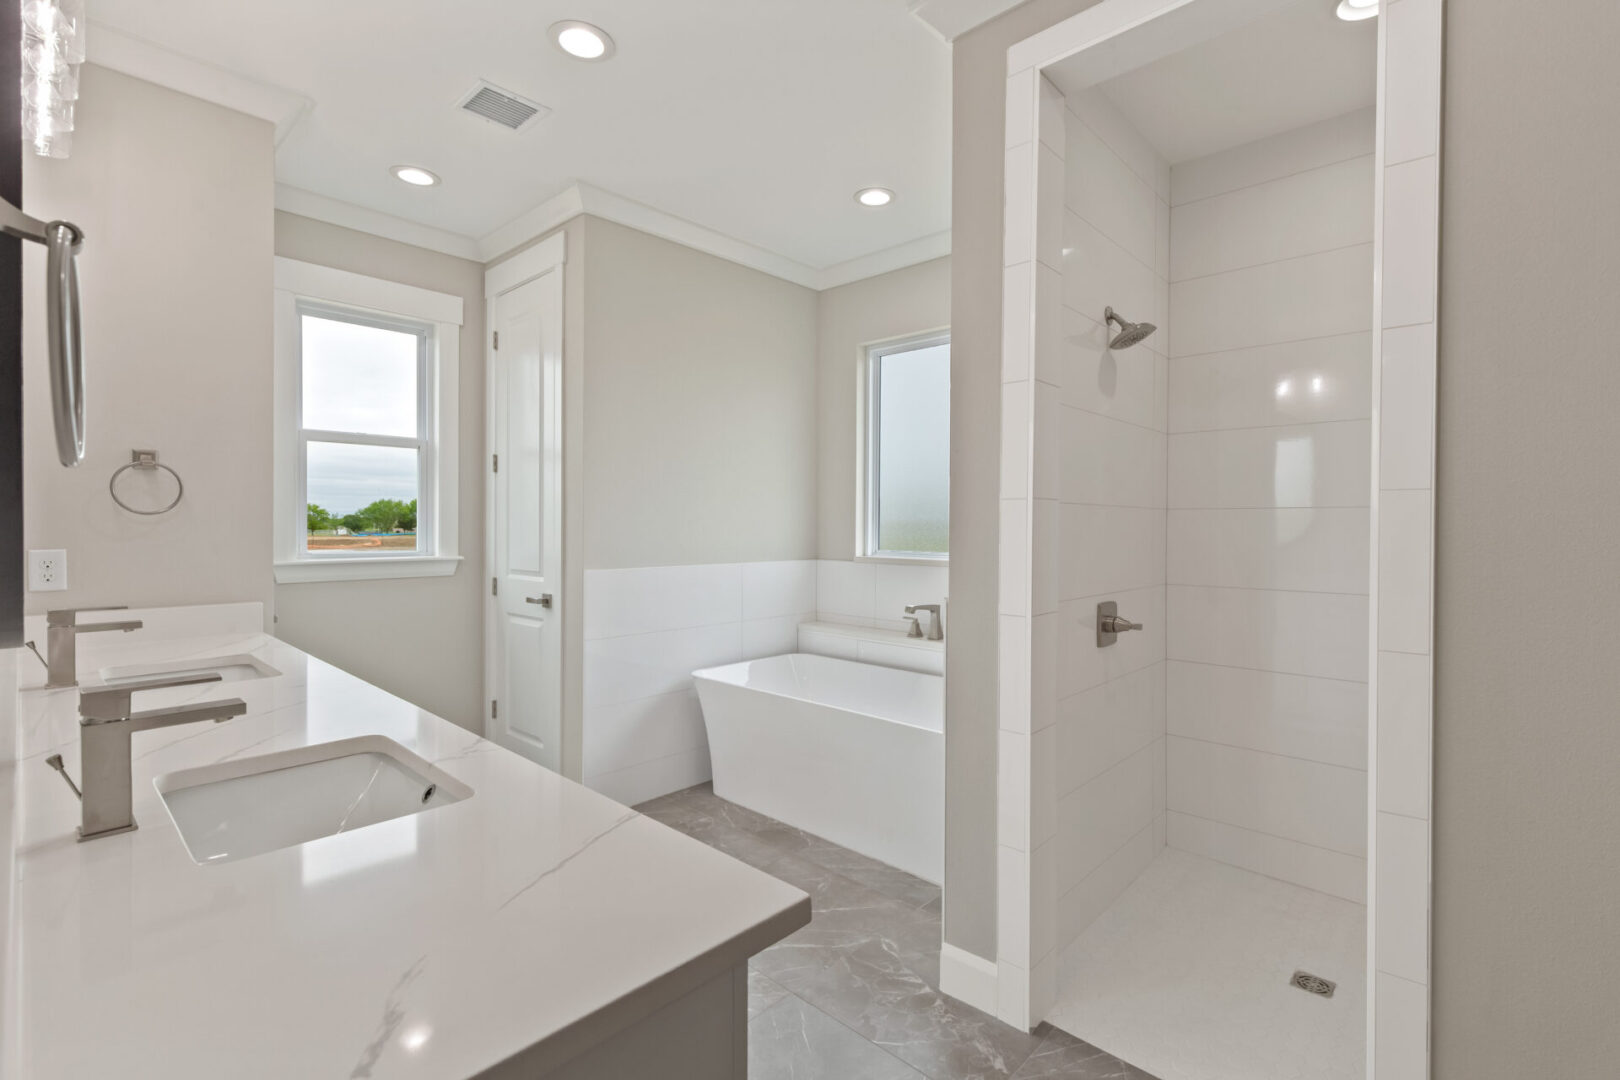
(912, 447)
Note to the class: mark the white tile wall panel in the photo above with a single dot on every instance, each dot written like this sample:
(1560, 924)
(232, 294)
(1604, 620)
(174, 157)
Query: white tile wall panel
(1100, 817)
(778, 588)
(1412, 73)
(1405, 733)
(846, 588)
(1320, 634)
(1110, 463)
(1406, 432)
(1080, 906)
(1411, 256)
(1106, 549)
(1099, 114)
(642, 730)
(1300, 465)
(774, 636)
(1331, 872)
(1081, 665)
(1336, 139)
(1018, 326)
(1104, 191)
(643, 599)
(1402, 926)
(650, 779)
(1296, 382)
(1298, 716)
(637, 666)
(1098, 273)
(1305, 801)
(1400, 1028)
(1121, 385)
(1405, 569)
(1319, 210)
(1307, 297)
(1100, 727)
(1312, 549)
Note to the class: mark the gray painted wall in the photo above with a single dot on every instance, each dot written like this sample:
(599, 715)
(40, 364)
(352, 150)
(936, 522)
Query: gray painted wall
(175, 197)
(1527, 729)
(895, 304)
(979, 95)
(700, 407)
(422, 638)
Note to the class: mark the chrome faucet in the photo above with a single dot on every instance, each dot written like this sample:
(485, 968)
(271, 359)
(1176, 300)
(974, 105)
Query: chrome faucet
(936, 629)
(62, 630)
(106, 721)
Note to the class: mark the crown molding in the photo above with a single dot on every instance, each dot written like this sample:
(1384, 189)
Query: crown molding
(586, 199)
(114, 49)
(921, 250)
(308, 204)
(950, 19)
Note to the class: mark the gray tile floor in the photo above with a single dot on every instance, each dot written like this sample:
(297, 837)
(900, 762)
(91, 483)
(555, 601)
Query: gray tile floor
(852, 996)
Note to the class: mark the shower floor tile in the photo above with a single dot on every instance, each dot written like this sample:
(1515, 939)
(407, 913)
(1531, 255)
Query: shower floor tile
(1187, 976)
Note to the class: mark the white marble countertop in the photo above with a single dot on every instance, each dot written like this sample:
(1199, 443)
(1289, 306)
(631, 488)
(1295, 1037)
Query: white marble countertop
(534, 918)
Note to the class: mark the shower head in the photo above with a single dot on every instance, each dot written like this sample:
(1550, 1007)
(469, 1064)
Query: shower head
(1130, 333)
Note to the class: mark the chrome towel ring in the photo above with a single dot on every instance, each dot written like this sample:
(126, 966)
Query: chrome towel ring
(146, 460)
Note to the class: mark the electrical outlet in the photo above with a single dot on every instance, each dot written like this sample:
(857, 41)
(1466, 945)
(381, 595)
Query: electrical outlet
(47, 570)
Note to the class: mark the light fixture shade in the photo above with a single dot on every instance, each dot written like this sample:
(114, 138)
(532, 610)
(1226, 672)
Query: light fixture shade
(52, 50)
(874, 196)
(1356, 10)
(581, 40)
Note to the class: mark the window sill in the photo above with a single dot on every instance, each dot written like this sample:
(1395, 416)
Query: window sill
(904, 560)
(299, 571)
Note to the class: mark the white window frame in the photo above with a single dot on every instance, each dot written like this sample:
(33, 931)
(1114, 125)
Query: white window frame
(306, 288)
(867, 515)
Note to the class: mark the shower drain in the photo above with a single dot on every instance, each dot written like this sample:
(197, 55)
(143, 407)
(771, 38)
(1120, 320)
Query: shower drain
(1313, 984)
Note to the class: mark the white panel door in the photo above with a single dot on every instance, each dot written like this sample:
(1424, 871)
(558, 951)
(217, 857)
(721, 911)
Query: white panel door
(525, 417)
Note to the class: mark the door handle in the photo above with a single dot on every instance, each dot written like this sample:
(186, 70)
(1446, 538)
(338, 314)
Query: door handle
(544, 600)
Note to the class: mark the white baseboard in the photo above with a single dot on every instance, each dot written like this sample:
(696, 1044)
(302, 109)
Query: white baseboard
(968, 978)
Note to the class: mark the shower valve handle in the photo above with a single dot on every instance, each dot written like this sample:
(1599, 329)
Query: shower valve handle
(1116, 624)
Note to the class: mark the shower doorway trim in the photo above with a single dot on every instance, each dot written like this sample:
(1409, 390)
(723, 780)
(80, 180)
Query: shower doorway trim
(1400, 590)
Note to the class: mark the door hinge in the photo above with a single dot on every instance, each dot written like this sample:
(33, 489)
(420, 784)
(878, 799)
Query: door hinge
(497, 340)
(494, 586)
(494, 710)
(495, 463)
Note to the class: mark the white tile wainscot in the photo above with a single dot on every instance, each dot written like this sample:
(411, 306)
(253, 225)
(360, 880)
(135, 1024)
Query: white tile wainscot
(646, 630)
(870, 645)
(870, 593)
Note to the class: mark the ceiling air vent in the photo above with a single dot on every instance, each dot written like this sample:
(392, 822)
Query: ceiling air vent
(503, 107)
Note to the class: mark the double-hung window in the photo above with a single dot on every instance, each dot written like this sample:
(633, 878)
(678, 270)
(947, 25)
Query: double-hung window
(905, 449)
(365, 421)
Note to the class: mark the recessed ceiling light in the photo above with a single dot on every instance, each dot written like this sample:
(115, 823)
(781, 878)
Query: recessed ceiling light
(1356, 10)
(581, 40)
(874, 196)
(415, 175)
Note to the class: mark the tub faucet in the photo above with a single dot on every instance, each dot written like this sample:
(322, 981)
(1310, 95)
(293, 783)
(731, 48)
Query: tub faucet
(62, 630)
(106, 721)
(936, 630)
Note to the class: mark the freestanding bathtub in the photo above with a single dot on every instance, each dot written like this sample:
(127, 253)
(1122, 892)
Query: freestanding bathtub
(851, 752)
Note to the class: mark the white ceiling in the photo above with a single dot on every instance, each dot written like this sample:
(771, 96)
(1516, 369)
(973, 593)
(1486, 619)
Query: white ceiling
(757, 119)
(1295, 65)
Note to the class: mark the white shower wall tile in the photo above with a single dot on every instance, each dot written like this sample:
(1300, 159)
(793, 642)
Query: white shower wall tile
(1082, 665)
(1100, 727)
(1412, 74)
(1302, 465)
(1099, 817)
(1295, 382)
(1311, 147)
(1110, 463)
(1406, 432)
(1104, 549)
(1098, 274)
(1402, 945)
(1296, 716)
(1411, 224)
(1119, 385)
(1405, 569)
(1324, 806)
(1405, 733)
(1307, 297)
(1314, 211)
(1331, 872)
(646, 630)
(1320, 634)
(1104, 191)
(1300, 549)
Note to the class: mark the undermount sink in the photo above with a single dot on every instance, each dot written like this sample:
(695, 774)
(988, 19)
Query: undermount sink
(239, 668)
(237, 809)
